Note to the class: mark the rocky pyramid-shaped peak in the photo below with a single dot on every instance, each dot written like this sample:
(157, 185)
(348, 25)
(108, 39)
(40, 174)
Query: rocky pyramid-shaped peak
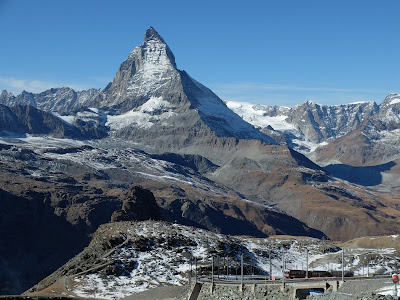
(148, 68)
(152, 35)
(155, 51)
(150, 92)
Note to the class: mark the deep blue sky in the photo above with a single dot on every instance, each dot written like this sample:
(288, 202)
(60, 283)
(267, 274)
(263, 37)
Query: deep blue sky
(268, 52)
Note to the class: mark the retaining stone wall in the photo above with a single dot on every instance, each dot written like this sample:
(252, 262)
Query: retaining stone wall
(248, 292)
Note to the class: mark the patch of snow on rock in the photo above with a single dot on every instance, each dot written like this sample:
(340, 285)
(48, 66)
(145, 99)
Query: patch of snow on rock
(154, 104)
(66, 119)
(143, 116)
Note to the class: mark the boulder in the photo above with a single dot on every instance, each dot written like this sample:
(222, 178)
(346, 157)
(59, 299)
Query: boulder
(140, 205)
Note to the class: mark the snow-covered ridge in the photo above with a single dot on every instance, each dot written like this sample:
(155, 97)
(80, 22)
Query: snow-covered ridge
(161, 253)
(390, 100)
(307, 126)
(158, 253)
(154, 65)
(211, 106)
(394, 101)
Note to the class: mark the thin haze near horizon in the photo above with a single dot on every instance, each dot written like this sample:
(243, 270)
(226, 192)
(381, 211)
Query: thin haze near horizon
(263, 52)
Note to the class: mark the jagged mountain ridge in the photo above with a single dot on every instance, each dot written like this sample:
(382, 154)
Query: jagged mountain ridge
(358, 134)
(375, 141)
(149, 71)
(62, 100)
(309, 125)
(364, 152)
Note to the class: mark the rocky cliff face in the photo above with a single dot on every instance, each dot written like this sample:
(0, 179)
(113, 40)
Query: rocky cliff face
(320, 123)
(149, 71)
(22, 120)
(27, 119)
(374, 141)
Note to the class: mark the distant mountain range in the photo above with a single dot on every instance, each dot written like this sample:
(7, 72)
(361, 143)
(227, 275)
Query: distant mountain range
(319, 131)
(75, 155)
(358, 142)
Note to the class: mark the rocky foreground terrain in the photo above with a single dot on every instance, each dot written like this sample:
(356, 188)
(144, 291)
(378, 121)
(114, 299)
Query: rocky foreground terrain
(135, 259)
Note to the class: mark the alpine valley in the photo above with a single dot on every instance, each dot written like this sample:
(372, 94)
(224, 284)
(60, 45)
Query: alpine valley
(70, 160)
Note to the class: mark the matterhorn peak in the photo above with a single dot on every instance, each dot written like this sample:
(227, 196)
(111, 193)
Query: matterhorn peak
(155, 50)
(152, 35)
(142, 75)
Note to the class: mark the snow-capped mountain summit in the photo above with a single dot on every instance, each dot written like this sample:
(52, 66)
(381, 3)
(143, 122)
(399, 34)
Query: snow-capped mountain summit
(149, 69)
(150, 95)
(152, 35)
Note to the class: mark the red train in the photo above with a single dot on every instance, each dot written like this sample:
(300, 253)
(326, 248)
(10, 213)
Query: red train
(302, 274)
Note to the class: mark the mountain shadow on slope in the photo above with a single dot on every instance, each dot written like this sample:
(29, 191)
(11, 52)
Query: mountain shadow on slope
(197, 163)
(216, 218)
(34, 241)
(366, 176)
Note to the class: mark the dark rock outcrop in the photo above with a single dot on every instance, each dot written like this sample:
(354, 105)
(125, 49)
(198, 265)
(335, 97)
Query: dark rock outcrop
(140, 205)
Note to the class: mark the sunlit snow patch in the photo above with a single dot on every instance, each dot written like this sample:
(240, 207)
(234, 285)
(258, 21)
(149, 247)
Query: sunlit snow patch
(144, 116)
(66, 119)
